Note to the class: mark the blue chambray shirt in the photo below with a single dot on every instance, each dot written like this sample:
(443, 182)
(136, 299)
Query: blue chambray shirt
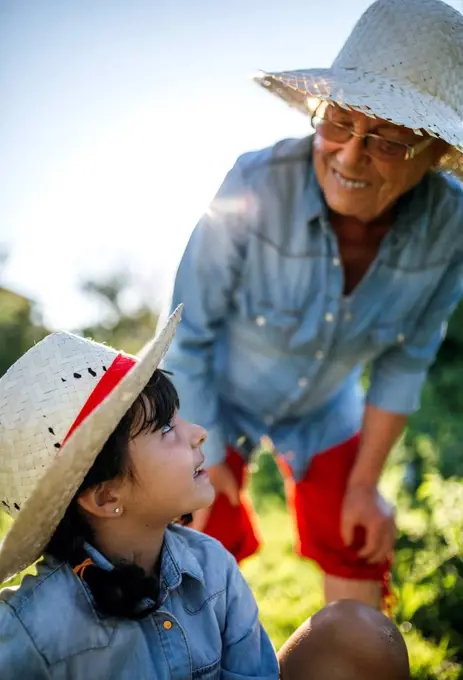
(207, 627)
(269, 344)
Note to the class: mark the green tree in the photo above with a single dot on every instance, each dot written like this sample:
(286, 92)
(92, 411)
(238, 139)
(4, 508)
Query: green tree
(124, 326)
(20, 327)
(440, 417)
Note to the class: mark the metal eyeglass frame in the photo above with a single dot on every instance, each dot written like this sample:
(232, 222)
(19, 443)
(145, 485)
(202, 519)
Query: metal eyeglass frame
(410, 150)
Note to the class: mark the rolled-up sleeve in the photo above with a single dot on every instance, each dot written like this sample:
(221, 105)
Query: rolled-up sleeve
(204, 283)
(397, 376)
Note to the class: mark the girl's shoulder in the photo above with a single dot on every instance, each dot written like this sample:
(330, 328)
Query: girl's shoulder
(54, 610)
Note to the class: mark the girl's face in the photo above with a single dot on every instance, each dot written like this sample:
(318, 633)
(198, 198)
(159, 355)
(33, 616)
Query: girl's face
(167, 480)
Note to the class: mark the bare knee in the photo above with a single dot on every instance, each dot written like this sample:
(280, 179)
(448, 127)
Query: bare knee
(346, 640)
(368, 592)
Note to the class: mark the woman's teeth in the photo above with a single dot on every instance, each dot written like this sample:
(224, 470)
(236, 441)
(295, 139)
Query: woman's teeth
(348, 183)
(198, 470)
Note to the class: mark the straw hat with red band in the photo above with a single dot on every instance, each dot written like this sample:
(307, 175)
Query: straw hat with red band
(59, 403)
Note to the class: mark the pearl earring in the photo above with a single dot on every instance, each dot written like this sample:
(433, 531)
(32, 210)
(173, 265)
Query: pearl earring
(117, 510)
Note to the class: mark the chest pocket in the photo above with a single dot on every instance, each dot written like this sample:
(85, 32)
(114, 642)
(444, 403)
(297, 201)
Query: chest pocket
(403, 294)
(278, 293)
(275, 326)
(387, 336)
(209, 672)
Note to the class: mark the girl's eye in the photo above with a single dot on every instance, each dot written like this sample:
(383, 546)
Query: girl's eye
(165, 429)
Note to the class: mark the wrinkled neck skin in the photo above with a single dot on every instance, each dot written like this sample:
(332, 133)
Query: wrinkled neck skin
(358, 231)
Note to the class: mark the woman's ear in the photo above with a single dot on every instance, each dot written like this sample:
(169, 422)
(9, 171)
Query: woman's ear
(102, 500)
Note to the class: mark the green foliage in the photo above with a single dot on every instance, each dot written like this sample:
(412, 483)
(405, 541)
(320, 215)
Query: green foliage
(440, 416)
(20, 327)
(287, 588)
(266, 484)
(122, 325)
(427, 571)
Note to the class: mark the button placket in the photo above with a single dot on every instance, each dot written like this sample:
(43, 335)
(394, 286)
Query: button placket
(175, 646)
(328, 328)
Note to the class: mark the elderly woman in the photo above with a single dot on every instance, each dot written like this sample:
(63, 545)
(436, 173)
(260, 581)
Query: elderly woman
(319, 256)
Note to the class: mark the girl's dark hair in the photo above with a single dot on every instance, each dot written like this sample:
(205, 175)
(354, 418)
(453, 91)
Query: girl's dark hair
(119, 592)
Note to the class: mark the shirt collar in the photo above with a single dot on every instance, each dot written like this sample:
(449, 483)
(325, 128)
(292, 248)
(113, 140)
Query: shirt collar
(97, 558)
(177, 559)
(313, 197)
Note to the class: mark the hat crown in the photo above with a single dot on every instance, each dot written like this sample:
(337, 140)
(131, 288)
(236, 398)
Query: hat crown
(41, 396)
(417, 42)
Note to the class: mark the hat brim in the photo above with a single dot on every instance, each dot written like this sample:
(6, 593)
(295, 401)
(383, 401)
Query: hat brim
(41, 513)
(370, 94)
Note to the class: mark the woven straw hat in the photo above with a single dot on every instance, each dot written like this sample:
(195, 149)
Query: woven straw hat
(403, 62)
(59, 403)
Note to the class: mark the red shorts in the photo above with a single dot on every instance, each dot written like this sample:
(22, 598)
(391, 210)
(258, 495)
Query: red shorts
(235, 527)
(315, 503)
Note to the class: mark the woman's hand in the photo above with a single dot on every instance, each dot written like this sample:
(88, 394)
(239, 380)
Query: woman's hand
(365, 507)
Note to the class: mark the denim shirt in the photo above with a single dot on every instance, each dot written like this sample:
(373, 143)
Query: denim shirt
(269, 344)
(207, 626)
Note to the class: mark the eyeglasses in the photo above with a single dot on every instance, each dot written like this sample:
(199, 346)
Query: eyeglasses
(376, 146)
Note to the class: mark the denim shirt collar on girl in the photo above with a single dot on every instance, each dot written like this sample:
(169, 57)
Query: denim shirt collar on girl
(206, 627)
(172, 569)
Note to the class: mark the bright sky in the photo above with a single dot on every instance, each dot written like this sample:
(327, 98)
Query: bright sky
(120, 119)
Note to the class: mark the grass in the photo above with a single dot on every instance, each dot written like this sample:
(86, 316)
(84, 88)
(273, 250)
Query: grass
(288, 589)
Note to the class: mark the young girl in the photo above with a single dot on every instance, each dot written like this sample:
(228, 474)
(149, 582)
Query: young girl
(97, 469)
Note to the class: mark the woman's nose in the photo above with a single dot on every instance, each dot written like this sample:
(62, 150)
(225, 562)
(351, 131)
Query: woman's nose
(352, 153)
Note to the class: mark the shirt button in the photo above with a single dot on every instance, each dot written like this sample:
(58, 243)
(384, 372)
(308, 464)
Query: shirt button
(319, 354)
(336, 261)
(167, 625)
(348, 316)
(400, 337)
(269, 420)
(329, 317)
(303, 382)
(260, 320)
